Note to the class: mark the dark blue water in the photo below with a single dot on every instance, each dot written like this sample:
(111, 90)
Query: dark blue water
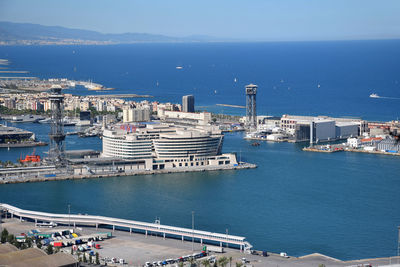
(344, 205)
(287, 73)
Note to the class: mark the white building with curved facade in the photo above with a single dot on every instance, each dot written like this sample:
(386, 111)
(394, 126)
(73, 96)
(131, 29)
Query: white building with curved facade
(183, 143)
(165, 146)
(126, 146)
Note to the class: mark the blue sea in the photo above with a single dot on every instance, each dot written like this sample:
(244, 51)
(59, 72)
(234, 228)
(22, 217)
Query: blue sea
(344, 205)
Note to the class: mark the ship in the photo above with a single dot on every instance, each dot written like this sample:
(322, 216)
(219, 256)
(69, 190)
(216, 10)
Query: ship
(374, 95)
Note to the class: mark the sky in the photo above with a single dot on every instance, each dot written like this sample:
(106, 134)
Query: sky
(257, 20)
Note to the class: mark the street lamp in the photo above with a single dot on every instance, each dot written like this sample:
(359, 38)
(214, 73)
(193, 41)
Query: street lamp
(1, 217)
(226, 237)
(398, 245)
(69, 215)
(192, 230)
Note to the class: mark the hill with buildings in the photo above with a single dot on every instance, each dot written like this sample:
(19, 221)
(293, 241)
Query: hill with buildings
(35, 34)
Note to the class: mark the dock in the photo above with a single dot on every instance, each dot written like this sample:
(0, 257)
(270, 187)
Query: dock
(322, 150)
(231, 106)
(21, 78)
(14, 71)
(125, 96)
(129, 225)
(24, 144)
(49, 173)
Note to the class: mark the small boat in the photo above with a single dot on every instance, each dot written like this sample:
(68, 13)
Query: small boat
(235, 80)
(319, 86)
(255, 144)
(179, 67)
(48, 120)
(30, 158)
(374, 95)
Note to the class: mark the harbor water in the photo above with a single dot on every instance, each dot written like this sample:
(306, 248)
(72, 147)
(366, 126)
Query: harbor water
(344, 205)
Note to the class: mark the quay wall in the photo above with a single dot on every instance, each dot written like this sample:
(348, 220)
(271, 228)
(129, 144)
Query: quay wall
(66, 176)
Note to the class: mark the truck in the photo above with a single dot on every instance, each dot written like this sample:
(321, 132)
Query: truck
(215, 249)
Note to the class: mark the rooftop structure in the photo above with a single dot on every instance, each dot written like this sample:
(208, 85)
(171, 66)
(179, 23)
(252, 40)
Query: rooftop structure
(13, 133)
(33, 257)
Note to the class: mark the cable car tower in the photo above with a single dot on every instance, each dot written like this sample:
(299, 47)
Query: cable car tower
(57, 136)
(251, 111)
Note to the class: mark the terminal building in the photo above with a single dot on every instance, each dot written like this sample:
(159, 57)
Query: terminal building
(164, 146)
(321, 128)
(14, 135)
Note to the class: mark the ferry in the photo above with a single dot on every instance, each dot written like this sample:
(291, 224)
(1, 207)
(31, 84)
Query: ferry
(374, 95)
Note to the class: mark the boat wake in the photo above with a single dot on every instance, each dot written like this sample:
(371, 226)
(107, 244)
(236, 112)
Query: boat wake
(388, 97)
(385, 97)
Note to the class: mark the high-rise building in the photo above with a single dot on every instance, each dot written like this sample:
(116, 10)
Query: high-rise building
(136, 115)
(188, 103)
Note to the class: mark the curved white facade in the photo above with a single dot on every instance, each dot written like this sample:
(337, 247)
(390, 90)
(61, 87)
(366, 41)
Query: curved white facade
(164, 147)
(186, 144)
(126, 146)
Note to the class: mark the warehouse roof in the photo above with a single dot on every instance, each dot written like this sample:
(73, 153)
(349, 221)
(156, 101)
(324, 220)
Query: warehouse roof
(59, 260)
(34, 257)
(5, 248)
(20, 255)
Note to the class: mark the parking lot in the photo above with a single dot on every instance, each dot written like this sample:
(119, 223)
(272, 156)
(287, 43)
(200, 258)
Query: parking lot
(137, 249)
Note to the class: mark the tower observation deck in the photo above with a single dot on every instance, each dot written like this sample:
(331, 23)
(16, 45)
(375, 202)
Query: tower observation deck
(251, 111)
(57, 136)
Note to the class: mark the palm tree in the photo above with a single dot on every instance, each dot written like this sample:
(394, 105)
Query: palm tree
(239, 264)
(206, 263)
(223, 261)
(230, 261)
(191, 262)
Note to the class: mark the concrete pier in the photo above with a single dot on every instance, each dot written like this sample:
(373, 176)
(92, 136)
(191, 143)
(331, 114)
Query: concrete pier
(165, 230)
(23, 175)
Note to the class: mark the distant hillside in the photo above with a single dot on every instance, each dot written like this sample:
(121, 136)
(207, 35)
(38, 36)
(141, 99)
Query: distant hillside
(26, 33)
